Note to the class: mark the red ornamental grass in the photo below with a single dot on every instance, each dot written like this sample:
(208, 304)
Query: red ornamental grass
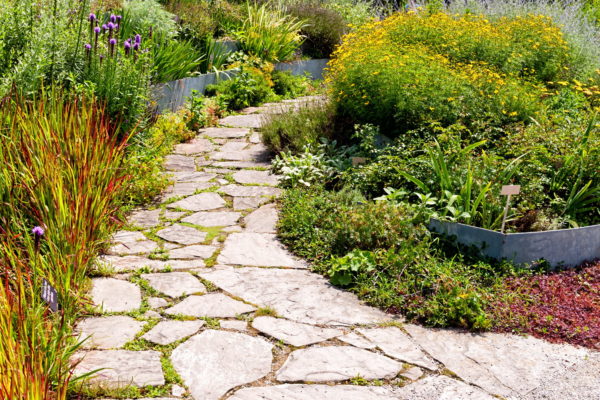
(559, 307)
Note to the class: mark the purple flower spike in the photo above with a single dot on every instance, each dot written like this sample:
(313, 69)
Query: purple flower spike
(127, 46)
(110, 26)
(136, 46)
(119, 18)
(113, 18)
(138, 39)
(97, 30)
(38, 231)
(112, 41)
(88, 46)
(92, 17)
(105, 27)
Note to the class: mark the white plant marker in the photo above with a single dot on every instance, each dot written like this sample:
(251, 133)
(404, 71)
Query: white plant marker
(508, 190)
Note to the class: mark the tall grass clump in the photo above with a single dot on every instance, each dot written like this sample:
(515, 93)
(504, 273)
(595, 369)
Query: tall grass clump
(62, 175)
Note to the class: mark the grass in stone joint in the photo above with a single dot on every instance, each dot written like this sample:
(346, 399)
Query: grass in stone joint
(265, 312)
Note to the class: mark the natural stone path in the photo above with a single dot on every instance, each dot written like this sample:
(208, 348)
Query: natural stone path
(204, 302)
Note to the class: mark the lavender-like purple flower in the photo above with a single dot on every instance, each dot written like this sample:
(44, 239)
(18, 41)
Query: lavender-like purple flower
(38, 231)
(113, 18)
(92, 17)
(112, 41)
(110, 26)
(105, 27)
(136, 46)
(138, 39)
(97, 30)
(88, 46)
(127, 46)
(119, 18)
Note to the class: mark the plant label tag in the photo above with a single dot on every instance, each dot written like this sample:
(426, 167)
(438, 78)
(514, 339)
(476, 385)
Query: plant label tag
(50, 295)
(358, 161)
(508, 190)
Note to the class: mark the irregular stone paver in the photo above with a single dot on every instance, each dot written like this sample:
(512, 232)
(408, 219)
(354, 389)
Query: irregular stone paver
(194, 146)
(263, 220)
(200, 202)
(177, 390)
(214, 305)
(192, 176)
(336, 363)
(234, 325)
(115, 295)
(314, 392)
(130, 263)
(180, 189)
(357, 341)
(234, 145)
(128, 237)
(441, 387)
(242, 155)
(245, 203)
(167, 332)
(490, 360)
(395, 343)
(182, 234)
(293, 333)
(157, 302)
(145, 218)
(173, 215)
(214, 362)
(256, 249)
(242, 164)
(413, 373)
(255, 177)
(243, 121)
(152, 314)
(122, 367)
(250, 191)
(108, 332)
(131, 242)
(214, 218)
(175, 284)
(175, 162)
(298, 295)
(225, 133)
(195, 251)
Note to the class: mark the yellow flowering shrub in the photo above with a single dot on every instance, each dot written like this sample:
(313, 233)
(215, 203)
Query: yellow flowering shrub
(413, 68)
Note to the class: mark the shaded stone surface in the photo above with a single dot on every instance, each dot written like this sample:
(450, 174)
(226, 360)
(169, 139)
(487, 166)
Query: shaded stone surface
(357, 341)
(256, 249)
(395, 343)
(225, 133)
(182, 234)
(175, 284)
(213, 305)
(214, 362)
(200, 202)
(255, 177)
(195, 146)
(249, 191)
(314, 392)
(108, 332)
(243, 121)
(262, 220)
(490, 360)
(166, 332)
(195, 251)
(298, 295)
(145, 218)
(175, 162)
(253, 155)
(234, 145)
(193, 176)
(440, 387)
(242, 164)
(122, 367)
(245, 203)
(413, 373)
(115, 295)
(180, 189)
(336, 363)
(215, 218)
(294, 333)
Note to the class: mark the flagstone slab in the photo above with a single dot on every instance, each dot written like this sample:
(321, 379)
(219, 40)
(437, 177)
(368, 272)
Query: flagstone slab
(214, 362)
(122, 367)
(245, 203)
(181, 189)
(176, 162)
(145, 218)
(115, 295)
(225, 133)
(108, 332)
(130, 263)
(395, 343)
(146, 246)
(314, 392)
(506, 365)
(441, 387)
(167, 332)
(157, 302)
(243, 121)
(234, 145)
(200, 202)
(242, 164)
(182, 234)
(297, 295)
(357, 340)
(250, 176)
(173, 215)
(235, 325)
(195, 251)
(195, 146)
(213, 305)
(336, 363)
(195, 176)
(241, 155)
(250, 191)
(262, 220)
(412, 373)
(214, 218)
(294, 333)
(175, 284)
(256, 249)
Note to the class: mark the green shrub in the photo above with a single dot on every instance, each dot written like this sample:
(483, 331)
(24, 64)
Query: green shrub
(145, 17)
(289, 86)
(250, 87)
(173, 59)
(324, 30)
